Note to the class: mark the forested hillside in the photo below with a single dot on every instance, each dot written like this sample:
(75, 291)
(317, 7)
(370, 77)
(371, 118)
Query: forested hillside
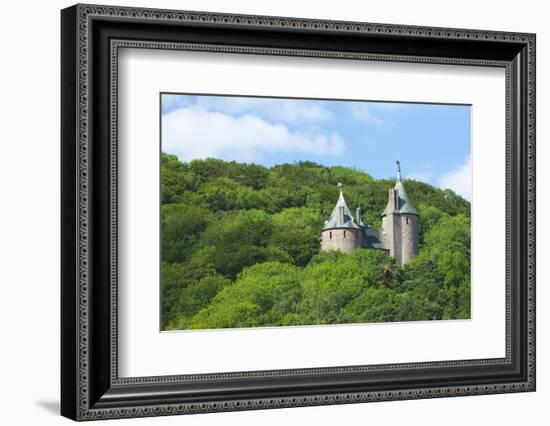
(240, 248)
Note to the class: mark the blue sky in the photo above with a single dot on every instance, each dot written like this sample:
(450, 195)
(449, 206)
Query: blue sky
(432, 141)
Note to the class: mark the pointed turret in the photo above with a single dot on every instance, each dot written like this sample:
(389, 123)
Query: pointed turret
(400, 223)
(399, 202)
(341, 231)
(341, 216)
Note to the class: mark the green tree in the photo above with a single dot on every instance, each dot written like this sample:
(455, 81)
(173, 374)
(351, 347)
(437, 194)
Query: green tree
(180, 230)
(296, 233)
(219, 194)
(195, 296)
(332, 280)
(261, 295)
(175, 277)
(237, 240)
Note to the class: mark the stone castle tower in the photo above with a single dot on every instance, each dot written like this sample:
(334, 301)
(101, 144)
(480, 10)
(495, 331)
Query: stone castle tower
(400, 223)
(398, 236)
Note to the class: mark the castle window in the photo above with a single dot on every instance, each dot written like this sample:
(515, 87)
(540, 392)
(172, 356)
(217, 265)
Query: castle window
(407, 220)
(330, 235)
(344, 234)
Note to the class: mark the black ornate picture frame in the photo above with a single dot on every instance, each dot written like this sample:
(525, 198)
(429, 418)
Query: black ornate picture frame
(91, 387)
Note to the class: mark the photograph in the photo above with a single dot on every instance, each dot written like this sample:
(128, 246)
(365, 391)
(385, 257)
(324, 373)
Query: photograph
(267, 208)
(279, 212)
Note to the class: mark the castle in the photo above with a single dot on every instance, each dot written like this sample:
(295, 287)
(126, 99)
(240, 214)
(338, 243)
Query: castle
(398, 236)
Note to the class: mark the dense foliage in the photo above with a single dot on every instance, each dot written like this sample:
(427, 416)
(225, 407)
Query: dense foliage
(240, 248)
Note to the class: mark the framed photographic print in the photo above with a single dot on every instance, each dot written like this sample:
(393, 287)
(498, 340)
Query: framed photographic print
(263, 212)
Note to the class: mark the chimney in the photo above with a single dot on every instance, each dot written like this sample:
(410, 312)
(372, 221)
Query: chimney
(358, 215)
(393, 199)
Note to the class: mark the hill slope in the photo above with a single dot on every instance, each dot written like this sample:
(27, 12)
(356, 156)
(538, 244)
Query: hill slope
(240, 248)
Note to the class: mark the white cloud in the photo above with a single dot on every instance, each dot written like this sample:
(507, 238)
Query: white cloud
(422, 176)
(363, 112)
(195, 132)
(286, 110)
(459, 179)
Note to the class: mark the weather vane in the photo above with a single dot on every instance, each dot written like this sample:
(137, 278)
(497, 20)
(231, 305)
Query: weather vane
(398, 170)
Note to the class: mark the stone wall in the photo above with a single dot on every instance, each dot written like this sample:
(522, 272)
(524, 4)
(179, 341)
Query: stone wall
(391, 226)
(409, 237)
(401, 236)
(344, 240)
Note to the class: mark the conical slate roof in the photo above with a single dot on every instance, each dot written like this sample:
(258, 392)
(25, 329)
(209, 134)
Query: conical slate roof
(405, 203)
(348, 220)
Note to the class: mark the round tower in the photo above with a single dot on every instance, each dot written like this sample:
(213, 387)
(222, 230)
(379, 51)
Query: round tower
(341, 231)
(400, 223)
(409, 237)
